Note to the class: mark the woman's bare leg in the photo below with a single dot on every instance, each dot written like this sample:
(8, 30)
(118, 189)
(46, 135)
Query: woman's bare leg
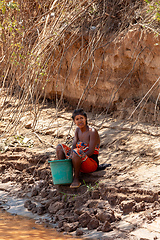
(76, 161)
(60, 153)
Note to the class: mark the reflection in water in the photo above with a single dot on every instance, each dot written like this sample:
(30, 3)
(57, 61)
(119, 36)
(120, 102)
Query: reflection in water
(18, 228)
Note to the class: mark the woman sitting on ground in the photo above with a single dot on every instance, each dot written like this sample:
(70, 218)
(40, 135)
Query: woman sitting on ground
(85, 148)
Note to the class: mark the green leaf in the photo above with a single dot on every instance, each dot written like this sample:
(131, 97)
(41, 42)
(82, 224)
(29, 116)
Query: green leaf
(3, 10)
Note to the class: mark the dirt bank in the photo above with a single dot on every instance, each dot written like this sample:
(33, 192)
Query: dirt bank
(121, 202)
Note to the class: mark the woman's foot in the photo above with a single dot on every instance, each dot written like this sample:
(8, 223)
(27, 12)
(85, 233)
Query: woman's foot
(75, 184)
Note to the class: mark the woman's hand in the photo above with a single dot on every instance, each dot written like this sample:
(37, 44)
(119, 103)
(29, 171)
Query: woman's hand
(70, 155)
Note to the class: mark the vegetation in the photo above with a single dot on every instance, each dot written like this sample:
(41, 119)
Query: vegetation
(35, 37)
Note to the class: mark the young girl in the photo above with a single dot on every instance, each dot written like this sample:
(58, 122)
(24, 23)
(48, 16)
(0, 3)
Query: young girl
(85, 148)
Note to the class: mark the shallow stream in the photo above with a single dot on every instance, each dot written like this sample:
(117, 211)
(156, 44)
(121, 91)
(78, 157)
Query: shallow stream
(17, 223)
(18, 228)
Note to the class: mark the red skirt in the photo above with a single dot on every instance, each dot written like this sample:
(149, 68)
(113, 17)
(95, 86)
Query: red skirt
(88, 164)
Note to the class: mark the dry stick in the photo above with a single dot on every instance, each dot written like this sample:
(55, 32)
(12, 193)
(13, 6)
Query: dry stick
(85, 98)
(112, 97)
(66, 27)
(21, 103)
(44, 39)
(54, 25)
(7, 94)
(62, 93)
(38, 21)
(89, 56)
(156, 107)
(39, 110)
(47, 18)
(146, 102)
(79, 50)
(34, 89)
(144, 98)
(89, 52)
(18, 114)
(5, 77)
(2, 58)
(86, 85)
(94, 82)
(124, 79)
(52, 35)
(39, 138)
(98, 72)
(55, 114)
(137, 43)
(37, 93)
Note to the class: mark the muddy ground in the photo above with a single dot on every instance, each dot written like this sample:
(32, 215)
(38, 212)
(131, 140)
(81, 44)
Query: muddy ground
(120, 202)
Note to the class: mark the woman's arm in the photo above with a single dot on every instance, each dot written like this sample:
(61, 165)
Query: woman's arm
(94, 140)
(74, 142)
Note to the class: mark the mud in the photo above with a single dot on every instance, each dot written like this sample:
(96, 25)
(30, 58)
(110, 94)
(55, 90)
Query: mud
(120, 202)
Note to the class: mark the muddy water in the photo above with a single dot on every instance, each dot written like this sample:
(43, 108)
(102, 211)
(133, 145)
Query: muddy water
(18, 228)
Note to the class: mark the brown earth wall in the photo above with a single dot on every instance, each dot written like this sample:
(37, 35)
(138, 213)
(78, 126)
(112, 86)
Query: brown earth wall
(125, 69)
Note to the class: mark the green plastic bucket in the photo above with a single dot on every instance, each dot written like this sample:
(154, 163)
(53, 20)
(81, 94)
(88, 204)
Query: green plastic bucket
(62, 171)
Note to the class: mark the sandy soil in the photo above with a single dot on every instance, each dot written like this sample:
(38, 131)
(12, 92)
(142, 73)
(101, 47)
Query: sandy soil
(120, 202)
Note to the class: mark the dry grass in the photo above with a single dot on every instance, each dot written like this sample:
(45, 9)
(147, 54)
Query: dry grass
(36, 35)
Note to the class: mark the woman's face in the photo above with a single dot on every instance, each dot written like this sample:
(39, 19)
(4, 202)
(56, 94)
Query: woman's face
(80, 121)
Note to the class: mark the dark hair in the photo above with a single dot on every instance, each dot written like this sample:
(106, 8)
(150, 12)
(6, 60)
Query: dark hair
(79, 112)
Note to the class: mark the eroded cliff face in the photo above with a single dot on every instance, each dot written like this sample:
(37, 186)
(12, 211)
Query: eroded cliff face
(123, 70)
(100, 55)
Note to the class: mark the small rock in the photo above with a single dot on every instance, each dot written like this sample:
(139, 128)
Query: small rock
(34, 210)
(139, 207)
(70, 227)
(103, 204)
(27, 203)
(60, 224)
(39, 221)
(100, 227)
(78, 211)
(95, 194)
(79, 232)
(31, 206)
(44, 193)
(54, 207)
(91, 203)
(112, 199)
(41, 210)
(106, 227)
(2, 168)
(52, 193)
(5, 180)
(60, 215)
(28, 125)
(84, 219)
(156, 205)
(106, 215)
(127, 205)
(34, 192)
(93, 224)
(60, 229)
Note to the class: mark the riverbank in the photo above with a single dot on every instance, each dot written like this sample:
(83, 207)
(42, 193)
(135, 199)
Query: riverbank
(120, 202)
